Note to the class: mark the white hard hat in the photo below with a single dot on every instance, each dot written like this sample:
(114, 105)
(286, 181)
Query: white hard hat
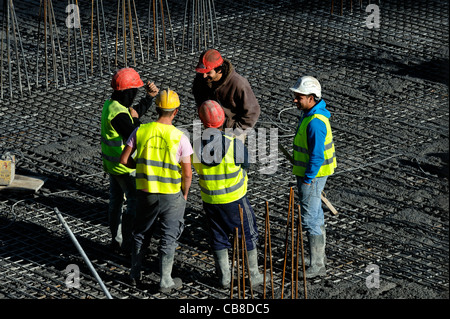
(308, 85)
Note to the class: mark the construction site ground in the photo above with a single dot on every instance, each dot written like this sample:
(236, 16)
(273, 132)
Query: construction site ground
(387, 91)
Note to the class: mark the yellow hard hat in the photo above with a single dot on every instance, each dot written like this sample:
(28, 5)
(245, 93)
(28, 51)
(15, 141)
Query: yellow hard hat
(167, 100)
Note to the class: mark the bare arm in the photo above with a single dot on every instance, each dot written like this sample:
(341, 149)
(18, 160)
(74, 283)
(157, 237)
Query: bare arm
(186, 175)
(126, 159)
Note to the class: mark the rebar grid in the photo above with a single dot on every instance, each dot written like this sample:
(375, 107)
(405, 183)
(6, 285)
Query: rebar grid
(375, 84)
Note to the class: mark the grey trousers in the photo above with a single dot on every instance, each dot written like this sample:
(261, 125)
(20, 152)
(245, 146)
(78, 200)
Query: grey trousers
(168, 209)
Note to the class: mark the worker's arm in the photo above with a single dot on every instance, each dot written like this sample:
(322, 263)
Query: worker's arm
(186, 175)
(145, 103)
(126, 158)
(316, 133)
(123, 125)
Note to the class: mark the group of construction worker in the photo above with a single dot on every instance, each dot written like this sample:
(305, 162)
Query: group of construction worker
(150, 165)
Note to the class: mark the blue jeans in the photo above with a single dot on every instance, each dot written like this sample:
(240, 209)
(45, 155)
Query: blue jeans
(121, 225)
(311, 204)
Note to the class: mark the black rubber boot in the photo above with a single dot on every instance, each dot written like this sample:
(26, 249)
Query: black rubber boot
(136, 264)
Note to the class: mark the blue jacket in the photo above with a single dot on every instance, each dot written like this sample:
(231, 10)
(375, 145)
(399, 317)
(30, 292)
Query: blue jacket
(316, 133)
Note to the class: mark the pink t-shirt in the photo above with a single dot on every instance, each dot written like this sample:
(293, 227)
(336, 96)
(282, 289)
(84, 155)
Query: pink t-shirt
(184, 149)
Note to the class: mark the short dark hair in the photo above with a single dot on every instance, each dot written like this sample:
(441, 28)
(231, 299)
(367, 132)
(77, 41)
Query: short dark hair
(224, 67)
(163, 113)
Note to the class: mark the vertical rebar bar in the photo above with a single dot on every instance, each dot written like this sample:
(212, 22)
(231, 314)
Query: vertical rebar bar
(13, 27)
(130, 25)
(99, 40)
(68, 46)
(139, 32)
(267, 245)
(59, 44)
(82, 44)
(124, 33)
(92, 37)
(292, 249)
(106, 36)
(21, 48)
(184, 25)
(237, 262)
(232, 266)
(39, 41)
(286, 242)
(163, 28)
(45, 40)
(1, 52)
(171, 29)
(154, 26)
(244, 245)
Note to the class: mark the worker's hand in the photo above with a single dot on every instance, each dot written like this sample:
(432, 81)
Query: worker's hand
(133, 112)
(151, 89)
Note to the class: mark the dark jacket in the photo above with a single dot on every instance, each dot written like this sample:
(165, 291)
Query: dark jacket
(240, 155)
(122, 122)
(234, 93)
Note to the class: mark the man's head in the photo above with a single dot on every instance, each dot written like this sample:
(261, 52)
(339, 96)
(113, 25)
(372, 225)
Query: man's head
(167, 102)
(126, 78)
(209, 65)
(211, 114)
(307, 91)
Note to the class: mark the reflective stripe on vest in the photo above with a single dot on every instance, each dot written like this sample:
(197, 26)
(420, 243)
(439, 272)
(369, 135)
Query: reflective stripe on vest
(301, 154)
(223, 183)
(157, 169)
(111, 141)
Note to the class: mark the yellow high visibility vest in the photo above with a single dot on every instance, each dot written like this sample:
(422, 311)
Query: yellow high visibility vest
(301, 154)
(223, 183)
(111, 142)
(157, 169)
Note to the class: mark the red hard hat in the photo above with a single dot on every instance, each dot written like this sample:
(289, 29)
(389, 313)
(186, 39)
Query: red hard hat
(126, 78)
(209, 60)
(211, 114)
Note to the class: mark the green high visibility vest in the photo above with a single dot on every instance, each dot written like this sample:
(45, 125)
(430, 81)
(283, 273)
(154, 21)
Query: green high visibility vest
(157, 169)
(111, 141)
(301, 154)
(223, 183)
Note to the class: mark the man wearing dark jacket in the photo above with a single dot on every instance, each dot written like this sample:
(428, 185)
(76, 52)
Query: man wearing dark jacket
(217, 80)
(220, 161)
(119, 120)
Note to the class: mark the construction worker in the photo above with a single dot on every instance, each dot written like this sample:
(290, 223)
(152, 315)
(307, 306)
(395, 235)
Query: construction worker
(217, 80)
(220, 161)
(119, 119)
(162, 151)
(314, 161)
